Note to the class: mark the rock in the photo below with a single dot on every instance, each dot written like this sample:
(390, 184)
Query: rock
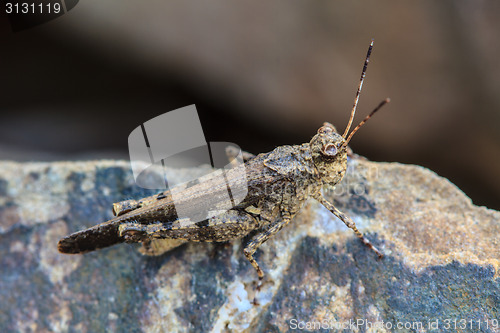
(440, 266)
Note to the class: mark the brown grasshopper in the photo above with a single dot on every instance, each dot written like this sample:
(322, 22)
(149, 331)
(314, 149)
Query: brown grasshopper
(279, 184)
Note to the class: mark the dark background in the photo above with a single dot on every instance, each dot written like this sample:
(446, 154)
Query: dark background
(262, 75)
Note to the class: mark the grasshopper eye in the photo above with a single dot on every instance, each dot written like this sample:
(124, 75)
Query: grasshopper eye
(325, 130)
(329, 150)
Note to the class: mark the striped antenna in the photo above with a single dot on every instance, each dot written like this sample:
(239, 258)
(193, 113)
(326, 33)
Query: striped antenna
(356, 99)
(384, 102)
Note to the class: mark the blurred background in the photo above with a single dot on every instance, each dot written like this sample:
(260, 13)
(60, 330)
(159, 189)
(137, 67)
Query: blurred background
(261, 75)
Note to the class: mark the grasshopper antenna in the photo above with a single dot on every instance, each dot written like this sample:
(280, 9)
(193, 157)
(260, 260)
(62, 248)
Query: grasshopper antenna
(356, 99)
(384, 102)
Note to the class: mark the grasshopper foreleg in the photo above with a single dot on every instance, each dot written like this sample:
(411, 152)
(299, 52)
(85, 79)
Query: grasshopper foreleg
(348, 222)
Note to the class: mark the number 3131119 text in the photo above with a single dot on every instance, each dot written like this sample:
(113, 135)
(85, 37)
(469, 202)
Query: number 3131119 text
(32, 8)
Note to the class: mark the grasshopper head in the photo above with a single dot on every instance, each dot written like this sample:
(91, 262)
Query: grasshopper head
(329, 154)
(329, 148)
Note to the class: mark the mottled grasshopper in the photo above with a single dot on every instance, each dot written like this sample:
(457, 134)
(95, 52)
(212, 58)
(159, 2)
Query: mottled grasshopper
(279, 183)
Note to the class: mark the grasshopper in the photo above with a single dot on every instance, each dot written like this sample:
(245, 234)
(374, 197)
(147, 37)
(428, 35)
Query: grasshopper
(279, 184)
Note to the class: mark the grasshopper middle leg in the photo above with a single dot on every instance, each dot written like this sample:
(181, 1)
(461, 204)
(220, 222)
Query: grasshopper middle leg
(260, 238)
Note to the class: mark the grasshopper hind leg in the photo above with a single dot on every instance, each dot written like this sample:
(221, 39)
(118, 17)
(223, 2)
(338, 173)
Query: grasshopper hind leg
(151, 246)
(160, 237)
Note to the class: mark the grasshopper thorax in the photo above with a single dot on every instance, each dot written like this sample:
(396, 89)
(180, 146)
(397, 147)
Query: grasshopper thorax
(329, 154)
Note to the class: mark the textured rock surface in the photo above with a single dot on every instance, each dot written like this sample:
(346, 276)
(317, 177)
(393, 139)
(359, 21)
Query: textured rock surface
(442, 260)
